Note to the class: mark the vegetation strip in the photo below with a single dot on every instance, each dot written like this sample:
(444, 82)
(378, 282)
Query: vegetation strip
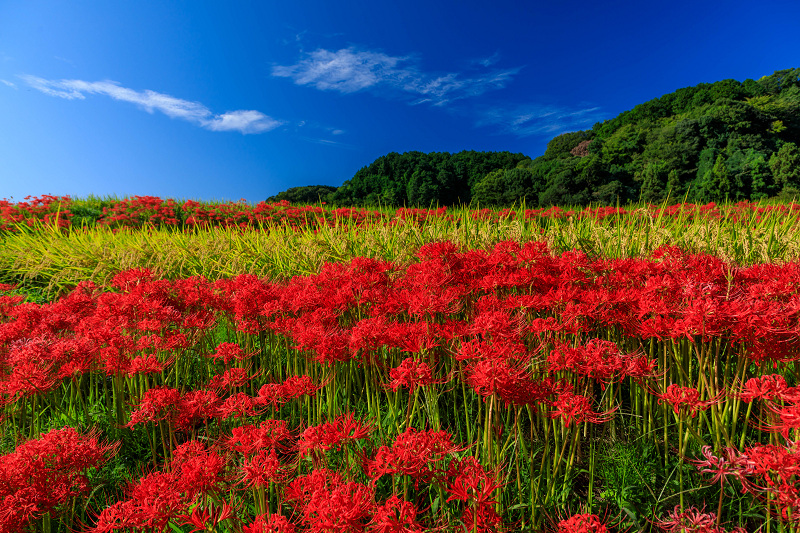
(478, 390)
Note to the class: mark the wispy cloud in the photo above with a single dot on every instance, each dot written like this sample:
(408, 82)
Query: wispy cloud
(533, 119)
(8, 84)
(244, 121)
(487, 61)
(349, 70)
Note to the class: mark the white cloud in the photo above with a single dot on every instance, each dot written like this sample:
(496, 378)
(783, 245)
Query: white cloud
(350, 70)
(345, 70)
(8, 84)
(244, 121)
(533, 119)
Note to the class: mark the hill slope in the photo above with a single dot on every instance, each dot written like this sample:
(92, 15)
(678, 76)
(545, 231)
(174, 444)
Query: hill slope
(715, 141)
(417, 178)
(729, 139)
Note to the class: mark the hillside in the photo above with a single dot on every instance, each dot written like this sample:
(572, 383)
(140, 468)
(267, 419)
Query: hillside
(417, 178)
(729, 139)
(714, 141)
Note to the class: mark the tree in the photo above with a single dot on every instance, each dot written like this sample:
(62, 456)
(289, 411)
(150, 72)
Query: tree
(654, 181)
(562, 145)
(716, 185)
(785, 166)
(490, 190)
(762, 184)
(311, 194)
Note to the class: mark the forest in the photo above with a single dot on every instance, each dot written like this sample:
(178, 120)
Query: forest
(727, 140)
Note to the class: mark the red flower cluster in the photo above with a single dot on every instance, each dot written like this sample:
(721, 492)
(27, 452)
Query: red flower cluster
(332, 434)
(45, 473)
(693, 520)
(160, 497)
(524, 330)
(582, 523)
(415, 453)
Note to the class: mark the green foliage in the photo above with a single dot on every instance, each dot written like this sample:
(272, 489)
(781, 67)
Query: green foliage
(420, 179)
(785, 165)
(709, 142)
(505, 187)
(562, 145)
(628, 472)
(712, 142)
(780, 80)
(310, 194)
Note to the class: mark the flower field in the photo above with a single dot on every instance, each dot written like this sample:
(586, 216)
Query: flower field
(421, 371)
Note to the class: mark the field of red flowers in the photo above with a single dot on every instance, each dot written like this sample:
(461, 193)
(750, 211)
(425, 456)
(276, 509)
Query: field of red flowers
(152, 211)
(510, 389)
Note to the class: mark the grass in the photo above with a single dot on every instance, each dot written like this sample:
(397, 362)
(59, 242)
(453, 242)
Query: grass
(54, 261)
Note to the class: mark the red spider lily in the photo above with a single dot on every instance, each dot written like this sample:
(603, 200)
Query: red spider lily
(369, 334)
(527, 391)
(227, 352)
(771, 463)
(270, 523)
(245, 296)
(293, 387)
(599, 360)
(478, 349)
(156, 405)
(471, 483)
(498, 325)
(641, 367)
(325, 436)
(720, 467)
(575, 408)
(201, 470)
(248, 440)
(687, 398)
(329, 504)
(119, 515)
(230, 379)
(767, 387)
(414, 453)
(200, 518)
(582, 523)
(415, 337)
(27, 379)
(196, 407)
(395, 515)
(128, 280)
(146, 364)
(42, 474)
(790, 419)
(410, 374)
(263, 468)
(318, 334)
(494, 376)
(160, 497)
(154, 501)
(692, 520)
(237, 406)
(481, 519)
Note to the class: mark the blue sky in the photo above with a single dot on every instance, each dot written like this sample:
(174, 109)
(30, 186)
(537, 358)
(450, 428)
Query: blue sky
(230, 100)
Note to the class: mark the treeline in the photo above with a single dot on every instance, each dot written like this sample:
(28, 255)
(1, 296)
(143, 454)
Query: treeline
(410, 179)
(727, 140)
(310, 194)
(420, 179)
